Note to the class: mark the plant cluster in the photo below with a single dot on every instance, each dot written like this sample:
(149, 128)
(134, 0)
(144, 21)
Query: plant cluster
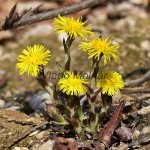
(69, 108)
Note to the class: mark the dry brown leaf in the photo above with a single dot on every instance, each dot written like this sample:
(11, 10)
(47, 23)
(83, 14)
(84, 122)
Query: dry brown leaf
(64, 144)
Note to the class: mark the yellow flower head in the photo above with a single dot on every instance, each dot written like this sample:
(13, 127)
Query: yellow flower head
(98, 47)
(72, 84)
(110, 82)
(72, 27)
(32, 60)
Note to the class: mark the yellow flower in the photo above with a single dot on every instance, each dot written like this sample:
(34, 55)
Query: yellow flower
(72, 84)
(98, 47)
(32, 60)
(110, 82)
(72, 27)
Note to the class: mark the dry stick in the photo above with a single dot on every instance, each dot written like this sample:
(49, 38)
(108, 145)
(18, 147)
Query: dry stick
(139, 80)
(28, 19)
(134, 90)
(108, 130)
(131, 90)
(139, 98)
(14, 140)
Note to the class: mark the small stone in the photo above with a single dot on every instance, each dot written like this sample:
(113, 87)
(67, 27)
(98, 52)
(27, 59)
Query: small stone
(116, 97)
(11, 56)
(121, 146)
(1, 51)
(24, 148)
(20, 148)
(38, 31)
(40, 135)
(132, 46)
(39, 101)
(62, 36)
(124, 53)
(100, 14)
(120, 69)
(136, 134)
(145, 130)
(136, 64)
(145, 45)
(97, 16)
(124, 133)
(124, 6)
(137, 2)
(2, 72)
(140, 2)
(2, 104)
(120, 24)
(148, 54)
(47, 145)
(5, 35)
(144, 110)
(34, 133)
(16, 148)
(88, 136)
(131, 22)
(11, 45)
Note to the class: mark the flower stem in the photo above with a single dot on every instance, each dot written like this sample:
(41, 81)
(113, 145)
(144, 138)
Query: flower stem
(45, 85)
(95, 70)
(67, 60)
(67, 44)
(91, 104)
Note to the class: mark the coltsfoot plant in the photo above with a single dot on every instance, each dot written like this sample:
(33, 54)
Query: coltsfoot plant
(68, 108)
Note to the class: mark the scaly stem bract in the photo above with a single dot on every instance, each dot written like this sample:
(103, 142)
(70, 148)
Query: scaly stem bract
(106, 101)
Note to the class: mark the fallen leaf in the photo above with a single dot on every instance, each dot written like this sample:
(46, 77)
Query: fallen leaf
(64, 144)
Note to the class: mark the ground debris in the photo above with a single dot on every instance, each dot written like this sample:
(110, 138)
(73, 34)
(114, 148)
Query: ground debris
(19, 117)
(107, 132)
(64, 144)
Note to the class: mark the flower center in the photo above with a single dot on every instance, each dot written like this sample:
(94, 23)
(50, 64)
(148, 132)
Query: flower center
(74, 26)
(110, 81)
(74, 81)
(33, 60)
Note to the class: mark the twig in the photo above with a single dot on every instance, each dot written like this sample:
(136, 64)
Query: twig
(32, 17)
(107, 132)
(139, 80)
(13, 17)
(14, 140)
(138, 98)
(139, 71)
(135, 90)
